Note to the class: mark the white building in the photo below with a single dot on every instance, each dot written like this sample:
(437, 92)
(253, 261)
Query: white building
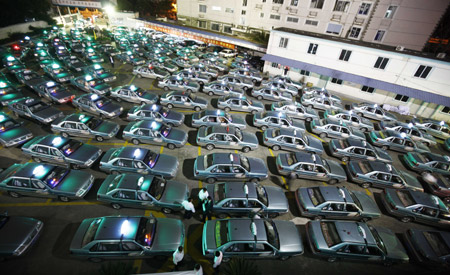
(407, 23)
(363, 71)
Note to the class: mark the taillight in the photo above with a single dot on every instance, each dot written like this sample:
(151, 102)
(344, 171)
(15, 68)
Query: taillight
(266, 139)
(198, 139)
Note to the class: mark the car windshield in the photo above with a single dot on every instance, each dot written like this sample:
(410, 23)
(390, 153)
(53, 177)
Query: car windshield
(193, 97)
(101, 102)
(56, 176)
(275, 133)
(378, 239)
(315, 195)
(437, 243)
(69, 147)
(146, 231)
(219, 192)
(330, 233)
(165, 130)
(262, 194)
(245, 163)
(238, 133)
(7, 125)
(164, 111)
(221, 232)
(38, 106)
(355, 199)
(272, 234)
(291, 159)
(113, 185)
(90, 232)
(157, 188)
(151, 159)
(405, 197)
(93, 123)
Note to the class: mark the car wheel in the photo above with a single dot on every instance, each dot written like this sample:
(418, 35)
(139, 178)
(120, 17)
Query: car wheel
(255, 180)
(365, 185)
(264, 127)
(406, 219)
(171, 146)
(284, 258)
(36, 159)
(345, 159)
(158, 78)
(323, 135)
(197, 109)
(170, 106)
(332, 259)
(135, 141)
(308, 119)
(273, 215)
(276, 147)
(222, 215)
(209, 147)
(99, 138)
(14, 194)
(309, 106)
(102, 117)
(246, 149)
(259, 97)
(64, 135)
(254, 81)
(210, 93)
(95, 260)
(166, 88)
(116, 206)
(166, 210)
(227, 109)
(211, 180)
(139, 76)
(447, 199)
(363, 130)
(332, 181)
(63, 198)
(385, 147)
(115, 172)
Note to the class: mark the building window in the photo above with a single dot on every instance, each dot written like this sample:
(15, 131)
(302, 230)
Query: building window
(446, 110)
(390, 12)
(316, 4)
(264, 1)
(274, 65)
(292, 19)
(278, 1)
(379, 36)
(202, 8)
(243, 12)
(244, 3)
(345, 55)
(227, 29)
(283, 42)
(202, 24)
(304, 72)
(368, 89)
(334, 28)
(341, 6)
(216, 8)
(261, 14)
(381, 63)
(294, 3)
(275, 16)
(336, 81)
(423, 71)
(215, 27)
(311, 23)
(312, 48)
(229, 10)
(402, 98)
(364, 8)
(354, 32)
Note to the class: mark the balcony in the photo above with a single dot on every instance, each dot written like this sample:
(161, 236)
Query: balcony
(312, 14)
(336, 17)
(359, 21)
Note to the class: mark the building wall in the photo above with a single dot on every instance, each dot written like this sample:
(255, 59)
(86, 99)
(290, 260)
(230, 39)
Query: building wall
(400, 69)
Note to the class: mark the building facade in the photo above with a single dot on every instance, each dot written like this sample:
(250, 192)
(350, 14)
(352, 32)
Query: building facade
(363, 71)
(404, 23)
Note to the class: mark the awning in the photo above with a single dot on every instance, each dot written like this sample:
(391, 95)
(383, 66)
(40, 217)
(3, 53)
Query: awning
(365, 81)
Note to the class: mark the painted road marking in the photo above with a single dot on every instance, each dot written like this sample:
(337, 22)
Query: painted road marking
(131, 81)
(200, 184)
(161, 150)
(282, 177)
(199, 150)
(368, 192)
(317, 137)
(118, 69)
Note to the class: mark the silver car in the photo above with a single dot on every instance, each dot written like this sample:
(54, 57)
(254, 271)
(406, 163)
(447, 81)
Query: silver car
(285, 80)
(291, 140)
(410, 130)
(156, 113)
(217, 118)
(295, 110)
(391, 140)
(200, 68)
(277, 120)
(97, 104)
(237, 81)
(321, 103)
(271, 94)
(183, 100)
(372, 111)
(253, 75)
(134, 94)
(350, 148)
(177, 83)
(351, 119)
(333, 128)
(279, 86)
(227, 137)
(438, 129)
(153, 132)
(150, 72)
(222, 89)
(188, 74)
(34, 109)
(240, 103)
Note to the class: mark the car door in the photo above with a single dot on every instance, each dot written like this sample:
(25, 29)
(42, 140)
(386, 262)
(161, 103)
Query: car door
(334, 210)
(122, 164)
(108, 249)
(125, 197)
(233, 141)
(305, 170)
(239, 172)
(273, 122)
(82, 129)
(145, 200)
(353, 251)
(70, 127)
(42, 152)
(131, 249)
(345, 132)
(234, 206)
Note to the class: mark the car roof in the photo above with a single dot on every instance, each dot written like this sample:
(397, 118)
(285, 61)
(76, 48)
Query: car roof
(356, 142)
(27, 169)
(48, 140)
(148, 124)
(75, 117)
(379, 166)
(240, 230)
(128, 152)
(289, 132)
(349, 232)
(183, 93)
(130, 182)
(335, 121)
(110, 228)
(332, 193)
(213, 113)
(223, 130)
(425, 199)
(224, 158)
(236, 190)
(436, 157)
(308, 158)
(149, 107)
(392, 133)
(275, 114)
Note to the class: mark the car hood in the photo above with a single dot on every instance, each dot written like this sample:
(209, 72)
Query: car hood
(178, 135)
(239, 120)
(258, 104)
(150, 96)
(420, 242)
(84, 153)
(105, 127)
(14, 133)
(62, 94)
(277, 199)
(369, 206)
(315, 142)
(174, 193)
(111, 107)
(336, 168)
(290, 239)
(257, 166)
(73, 182)
(15, 231)
(166, 165)
(411, 181)
(79, 235)
(249, 138)
(106, 75)
(358, 133)
(48, 112)
(169, 235)
(394, 248)
(175, 116)
(201, 100)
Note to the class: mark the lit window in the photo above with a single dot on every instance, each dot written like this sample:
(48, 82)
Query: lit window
(364, 8)
(379, 36)
(402, 98)
(390, 12)
(316, 4)
(423, 71)
(368, 89)
(345, 55)
(283, 42)
(381, 63)
(312, 49)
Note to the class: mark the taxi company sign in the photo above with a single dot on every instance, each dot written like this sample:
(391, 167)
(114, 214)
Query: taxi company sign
(83, 4)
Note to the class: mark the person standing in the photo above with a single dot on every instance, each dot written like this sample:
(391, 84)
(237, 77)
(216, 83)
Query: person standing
(286, 69)
(198, 269)
(217, 261)
(203, 195)
(189, 209)
(111, 59)
(178, 256)
(207, 208)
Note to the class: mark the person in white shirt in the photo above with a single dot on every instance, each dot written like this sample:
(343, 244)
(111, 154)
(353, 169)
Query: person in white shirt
(203, 195)
(198, 269)
(189, 209)
(178, 256)
(217, 261)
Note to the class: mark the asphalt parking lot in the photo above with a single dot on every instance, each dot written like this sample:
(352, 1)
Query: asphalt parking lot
(50, 255)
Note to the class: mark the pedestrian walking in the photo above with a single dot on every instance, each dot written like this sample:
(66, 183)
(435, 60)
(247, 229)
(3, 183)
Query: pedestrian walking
(189, 209)
(286, 69)
(217, 261)
(198, 269)
(207, 208)
(178, 256)
(111, 59)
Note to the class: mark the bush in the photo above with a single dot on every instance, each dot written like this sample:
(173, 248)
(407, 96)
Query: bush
(239, 266)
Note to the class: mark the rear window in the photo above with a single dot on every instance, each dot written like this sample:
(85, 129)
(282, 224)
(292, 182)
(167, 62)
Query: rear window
(330, 233)
(90, 233)
(437, 243)
(405, 197)
(315, 196)
(364, 166)
(219, 192)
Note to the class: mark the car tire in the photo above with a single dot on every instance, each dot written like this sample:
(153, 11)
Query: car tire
(246, 149)
(139, 76)
(210, 93)
(245, 88)
(227, 109)
(171, 146)
(63, 198)
(447, 199)
(264, 127)
(211, 180)
(36, 159)
(95, 260)
(332, 259)
(385, 147)
(135, 141)
(406, 219)
(308, 119)
(345, 159)
(333, 181)
(143, 103)
(284, 258)
(323, 135)
(259, 97)
(254, 180)
(365, 185)
(64, 135)
(170, 106)
(273, 215)
(209, 147)
(166, 210)
(365, 219)
(197, 109)
(276, 148)
(99, 138)
(309, 106)
(166, 88)
(116, 206)
(201, 83)
(14, 194)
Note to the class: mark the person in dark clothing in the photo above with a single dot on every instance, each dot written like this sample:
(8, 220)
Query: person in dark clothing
(286, 69)
(207, 208)
(111, 59)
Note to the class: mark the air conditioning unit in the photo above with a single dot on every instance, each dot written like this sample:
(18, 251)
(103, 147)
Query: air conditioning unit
(400, 48)
(441, 55)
